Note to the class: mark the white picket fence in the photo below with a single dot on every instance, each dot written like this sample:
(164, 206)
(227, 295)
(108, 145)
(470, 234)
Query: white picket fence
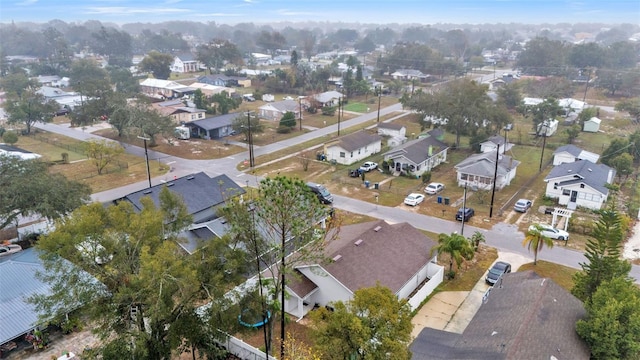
(427, 289)
(243, 350)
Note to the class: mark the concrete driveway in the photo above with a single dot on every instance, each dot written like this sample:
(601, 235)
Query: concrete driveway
(453, 310)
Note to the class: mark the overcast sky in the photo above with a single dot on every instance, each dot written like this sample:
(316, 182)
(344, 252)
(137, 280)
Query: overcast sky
(363, 11)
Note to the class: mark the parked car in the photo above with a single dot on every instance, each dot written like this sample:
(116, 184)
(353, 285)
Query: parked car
(465, 213)
(434, 188)
(497, 270)
(413, 199)
(321, 192)
(9, 249)
(522, 205)
(368, 166)
(550, 232)
(62, 111)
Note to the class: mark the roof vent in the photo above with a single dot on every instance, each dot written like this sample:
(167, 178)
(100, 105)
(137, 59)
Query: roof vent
(358, 242)
(147, 192)
(589, 169)
(337, 258)
(569, 170)
(377, 228)
(542, 283)
(191, 177)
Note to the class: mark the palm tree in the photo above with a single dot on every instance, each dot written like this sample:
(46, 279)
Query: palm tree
(534, 239)
(476, 239)
(457, 246)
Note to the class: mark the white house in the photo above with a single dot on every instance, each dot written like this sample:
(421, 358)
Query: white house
(352, 148)
(492, 143)
(580, 183)
(395, 256)
(418, 156)
(478, 171)
(185, 63)
(395, 133)
(327, 98)
(571, 153)
(592, 125)
(275, 110)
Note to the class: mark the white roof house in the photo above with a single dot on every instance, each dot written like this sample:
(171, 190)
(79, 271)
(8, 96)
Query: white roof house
(571, 153)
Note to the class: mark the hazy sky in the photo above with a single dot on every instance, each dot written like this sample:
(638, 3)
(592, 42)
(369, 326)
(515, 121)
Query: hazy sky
(363, 11)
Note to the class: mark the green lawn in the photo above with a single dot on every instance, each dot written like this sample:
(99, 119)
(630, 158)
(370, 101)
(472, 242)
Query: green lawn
(359, 107)
(561, 275)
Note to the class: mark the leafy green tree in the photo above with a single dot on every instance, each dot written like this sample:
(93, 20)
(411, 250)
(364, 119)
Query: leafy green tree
(115, 44)
(543, 57)
(102, 153)
(510, 95)
(158, 64)
(456, 246)
(241, 123)
(288, 120)
(215, 54)
(374, 325)
(29, 109)
(572, 133)
(27, 188)
(615, 148)
(10, 137)
(148, 291)
(549, 109)
(634, 149)
(271, 41)
(536, 241)
(587, 55)
(288, 215)
(623, 164)
(632, 106)
(224, 102)
(150, 123)
(603, 256)
(612, 326)
(294, 58)
(16, 84)
(123, 80)
(586, 114)
(121, 120)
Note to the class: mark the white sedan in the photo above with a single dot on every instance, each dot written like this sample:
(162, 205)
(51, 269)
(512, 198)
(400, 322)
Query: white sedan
(434, 188)
(551, 232)
(414, 199)
(368, 166)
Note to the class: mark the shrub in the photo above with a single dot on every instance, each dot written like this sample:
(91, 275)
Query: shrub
(329, 110)
(283, 130)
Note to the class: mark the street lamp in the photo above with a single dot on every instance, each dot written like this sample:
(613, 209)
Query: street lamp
(146, 157)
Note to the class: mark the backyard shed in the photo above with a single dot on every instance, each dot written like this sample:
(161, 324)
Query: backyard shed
(592, 125)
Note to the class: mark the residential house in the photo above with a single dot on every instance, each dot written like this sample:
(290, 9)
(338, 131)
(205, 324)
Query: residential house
(21, 279)
(9, 150)
(479, 170)
(580, 183)
(66, 99)
(571, 153)
(327, 98)
(185, 63)
(178, 111)
(164, 89)
(213, 127)
(224, 80)
(352, 148)
(395, 133)
(395, 256)
(210, 90)
(524, 316)
(276, 110)
(409, 74)
(418, 156)
(492, 143)
(201, 194)
(47, 80)
(592, 125)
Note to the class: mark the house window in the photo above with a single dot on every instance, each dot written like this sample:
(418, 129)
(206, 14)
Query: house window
(342, 154)
(566, 192)
(555, 186)
(581, 186)
(352, 154)
(193, 117)
(463, 176)
(359, 151)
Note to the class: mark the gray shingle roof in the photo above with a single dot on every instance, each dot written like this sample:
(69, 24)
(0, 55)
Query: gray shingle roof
(215, 122)
(584, 171)
(571, 149)
(527, 317)
(390, 125)
(484, 164)
(391, 255)
(417, 150)
(198, 191)
(358, 140)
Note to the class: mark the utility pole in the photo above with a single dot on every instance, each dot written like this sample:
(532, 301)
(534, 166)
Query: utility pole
(146, 157)
(339, 103)
(379, 96)
(544, 142)
(495, 175)
(586, 86)
(300, 111)
(464, 207)
(250, 140)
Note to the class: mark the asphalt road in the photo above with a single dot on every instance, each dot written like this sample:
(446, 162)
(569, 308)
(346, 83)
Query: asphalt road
(502, 236)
